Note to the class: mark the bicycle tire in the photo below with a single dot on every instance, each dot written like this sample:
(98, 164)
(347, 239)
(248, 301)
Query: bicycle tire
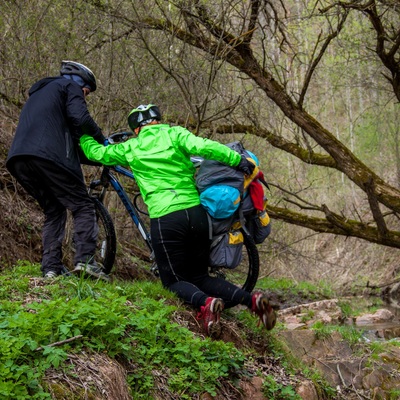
(245, 275)
(106, 240)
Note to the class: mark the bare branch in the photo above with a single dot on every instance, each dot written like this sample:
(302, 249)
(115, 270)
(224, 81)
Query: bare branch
(335, 224)
(315, 62)
(61, 342)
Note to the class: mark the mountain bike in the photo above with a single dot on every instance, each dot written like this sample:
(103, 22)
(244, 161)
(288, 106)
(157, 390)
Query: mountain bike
(245, 275)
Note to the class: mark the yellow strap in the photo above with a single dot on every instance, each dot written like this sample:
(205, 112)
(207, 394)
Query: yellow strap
(249, 178)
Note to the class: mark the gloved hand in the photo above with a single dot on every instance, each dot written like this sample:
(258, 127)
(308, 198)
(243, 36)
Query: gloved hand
(99, 137)
(246, 166)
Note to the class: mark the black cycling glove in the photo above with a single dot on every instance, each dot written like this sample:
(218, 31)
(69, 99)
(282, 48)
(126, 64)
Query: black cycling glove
(246, 166)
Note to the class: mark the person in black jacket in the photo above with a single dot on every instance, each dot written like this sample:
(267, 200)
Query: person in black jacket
(44, 158)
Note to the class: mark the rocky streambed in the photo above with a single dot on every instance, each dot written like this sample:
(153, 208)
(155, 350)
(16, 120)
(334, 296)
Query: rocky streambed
(358, 355)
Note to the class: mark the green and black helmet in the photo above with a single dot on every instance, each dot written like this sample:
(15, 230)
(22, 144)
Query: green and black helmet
(143, 115)
(75, 68)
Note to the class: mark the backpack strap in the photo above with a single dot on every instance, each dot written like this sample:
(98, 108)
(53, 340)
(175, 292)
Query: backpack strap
(242, 219)
(264, 182)
(210, 228)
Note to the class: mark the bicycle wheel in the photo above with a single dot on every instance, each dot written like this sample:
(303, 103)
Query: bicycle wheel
(245, 275)
(106, 240)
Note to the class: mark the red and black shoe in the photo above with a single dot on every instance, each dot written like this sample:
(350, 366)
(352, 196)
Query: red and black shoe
(210, 313)
(262, 307)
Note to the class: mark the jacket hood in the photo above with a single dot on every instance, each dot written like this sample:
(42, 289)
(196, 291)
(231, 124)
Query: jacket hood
(42, 83)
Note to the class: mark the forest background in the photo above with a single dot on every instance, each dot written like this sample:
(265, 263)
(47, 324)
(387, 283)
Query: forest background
(311, 87)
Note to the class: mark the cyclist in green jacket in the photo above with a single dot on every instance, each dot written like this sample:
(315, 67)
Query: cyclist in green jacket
(160, 160)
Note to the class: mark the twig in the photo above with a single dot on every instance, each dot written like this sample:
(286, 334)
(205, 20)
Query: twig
(383, 285)
(60, 343)
(354, 390)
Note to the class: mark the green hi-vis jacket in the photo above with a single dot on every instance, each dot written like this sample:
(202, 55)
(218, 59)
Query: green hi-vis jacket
(160, 160)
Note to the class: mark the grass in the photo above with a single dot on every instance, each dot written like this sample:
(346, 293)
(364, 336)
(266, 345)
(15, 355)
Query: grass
(125, 321)
(288, 287)
(133, 322)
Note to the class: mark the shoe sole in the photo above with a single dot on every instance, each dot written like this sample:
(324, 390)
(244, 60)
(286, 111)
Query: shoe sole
(50, 276)
(269, 317)
(83, 271)
(214, 327)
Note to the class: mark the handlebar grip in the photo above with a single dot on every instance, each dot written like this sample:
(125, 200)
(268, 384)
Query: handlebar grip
(119, 137)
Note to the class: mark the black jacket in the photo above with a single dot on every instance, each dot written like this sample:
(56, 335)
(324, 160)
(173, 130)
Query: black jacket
(51, 123)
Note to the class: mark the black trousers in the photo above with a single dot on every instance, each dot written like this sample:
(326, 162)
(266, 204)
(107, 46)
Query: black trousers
(57, 191)
(181, 246)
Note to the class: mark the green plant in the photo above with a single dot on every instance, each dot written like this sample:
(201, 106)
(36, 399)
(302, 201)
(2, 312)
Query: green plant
(346, 309)
(351, 334)
(359, 305)
(131, 322)
(289, 287)
(159, 342)
(321, 330)
(394, 394)
(348, 332)
(278, 391)
(308, 316)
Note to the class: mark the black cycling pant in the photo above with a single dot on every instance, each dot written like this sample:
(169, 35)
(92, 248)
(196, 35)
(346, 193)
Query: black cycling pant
(57, 191)
(181, 246)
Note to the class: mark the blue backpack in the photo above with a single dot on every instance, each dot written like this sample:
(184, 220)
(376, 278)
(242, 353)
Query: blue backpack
(222, 188)
(220, 201)
(223, 193)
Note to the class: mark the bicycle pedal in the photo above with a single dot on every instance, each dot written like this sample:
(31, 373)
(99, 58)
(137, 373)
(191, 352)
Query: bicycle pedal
(154, 270)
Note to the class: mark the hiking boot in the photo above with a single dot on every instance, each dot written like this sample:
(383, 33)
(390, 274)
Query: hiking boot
(210, 313)
(90, 269)
(50, 274)
(64, 271)
(262, 307)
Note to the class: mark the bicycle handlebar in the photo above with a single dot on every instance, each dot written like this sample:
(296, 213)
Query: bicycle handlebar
(119, 137)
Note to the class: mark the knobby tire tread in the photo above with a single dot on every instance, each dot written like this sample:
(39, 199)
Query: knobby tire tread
(104, 218)
(254, 263)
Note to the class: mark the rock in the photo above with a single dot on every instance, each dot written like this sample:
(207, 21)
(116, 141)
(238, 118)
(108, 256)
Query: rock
(389, 333)
(324, 317)
(305, 345)
(381, 315)
(306, 390)
(293, 326)
(391, 357)
(331, 305)
(372, 379)
(297, 317)
(338, 363)
(253, 389)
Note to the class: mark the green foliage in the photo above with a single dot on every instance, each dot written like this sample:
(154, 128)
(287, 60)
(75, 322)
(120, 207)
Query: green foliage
(278, 391)
(349, 333)
(158, 343)
(130, 322)
(359, 305)
(289, 287)
(346, 309)
(394, 394)
(377, 348)
(308, 316)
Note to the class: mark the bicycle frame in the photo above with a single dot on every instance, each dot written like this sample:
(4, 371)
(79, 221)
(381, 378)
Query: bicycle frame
(107, 177)
(245, 275)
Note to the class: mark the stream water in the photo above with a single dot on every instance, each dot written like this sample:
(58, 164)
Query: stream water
(382, 331)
